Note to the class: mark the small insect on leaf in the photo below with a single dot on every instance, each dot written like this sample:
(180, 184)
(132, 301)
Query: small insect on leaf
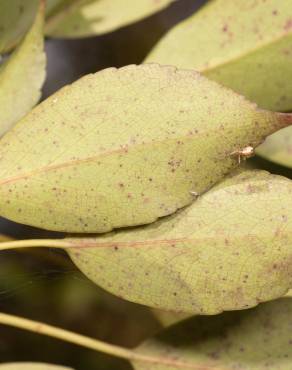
(244, 153)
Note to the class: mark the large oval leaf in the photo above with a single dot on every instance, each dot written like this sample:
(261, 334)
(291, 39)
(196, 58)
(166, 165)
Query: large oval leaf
(22, 75)
(124, 147)
(258, 339)
(244, 45)
(231, 249)
(31, 366)
(84, 18)
(16, 16)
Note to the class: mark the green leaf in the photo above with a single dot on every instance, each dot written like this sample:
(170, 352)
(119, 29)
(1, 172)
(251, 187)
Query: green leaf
(87, 18)
(54, 5)
(124, 147)
(31, 366)
(278, 148)
(16, 16)
(246, 46)
(231, 249)
(258, 339)
(22, 76)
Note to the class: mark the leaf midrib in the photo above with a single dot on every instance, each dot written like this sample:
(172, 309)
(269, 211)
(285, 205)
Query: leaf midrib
(71, 163)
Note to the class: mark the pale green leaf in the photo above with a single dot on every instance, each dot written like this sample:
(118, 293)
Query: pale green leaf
(22, 76)
(54, 5)
(87, 18)
(231, 249)
(31, 366)
(124, 147)
(278, 147)
(16, 16)
(258, 339)
(246, 46)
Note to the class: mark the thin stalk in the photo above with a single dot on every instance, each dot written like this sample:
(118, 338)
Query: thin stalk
(30, 243)
(94, 344)
(285, 119)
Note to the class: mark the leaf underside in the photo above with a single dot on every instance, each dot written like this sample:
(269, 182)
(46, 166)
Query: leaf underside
(102, 153)
(246, 46)
(257, 339)
(16, 16)
(229, 250)
(99, 16)
(22, 76)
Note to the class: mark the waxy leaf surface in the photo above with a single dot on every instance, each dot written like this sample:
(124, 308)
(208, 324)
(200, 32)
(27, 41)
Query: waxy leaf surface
(87, 18)
(257, 339)
(124, 147)
(231, 249)
(16, 17)
(31, 366)
(245, 45)
(22, 76)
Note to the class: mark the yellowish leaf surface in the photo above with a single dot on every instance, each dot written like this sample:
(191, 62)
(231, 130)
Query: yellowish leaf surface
(87, 18)
(258, 339)
(16, 16)
(124, 147)
(22, 76)
(229, 250)
(245, 45)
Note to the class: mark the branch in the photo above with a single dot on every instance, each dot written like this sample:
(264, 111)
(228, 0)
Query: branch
(96, 345)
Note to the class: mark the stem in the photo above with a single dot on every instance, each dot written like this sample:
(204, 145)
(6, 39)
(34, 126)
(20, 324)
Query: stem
(96, 345)
(285, 119)
(53, 243)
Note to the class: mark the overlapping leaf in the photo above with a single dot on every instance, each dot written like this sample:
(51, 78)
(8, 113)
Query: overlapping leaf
(87, 18)
(258, 339)
(231, 249)
(124, 147)
(244, 45)
(278, 147)
(22, 75)
(16, 16)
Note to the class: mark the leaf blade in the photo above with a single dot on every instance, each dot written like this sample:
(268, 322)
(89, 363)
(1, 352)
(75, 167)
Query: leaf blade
(90, 169)
(16, 16)
(223, 252)
(254, 339)
(20, 88)
(246, 47)
(99, 17)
